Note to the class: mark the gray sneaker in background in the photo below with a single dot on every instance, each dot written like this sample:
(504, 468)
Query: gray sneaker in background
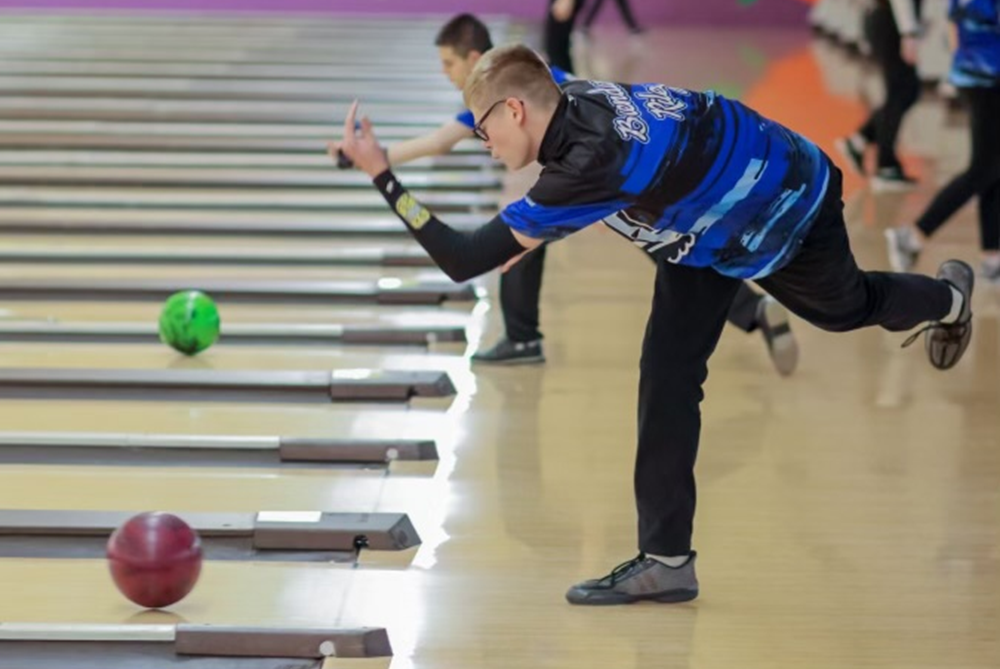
(904, 249)
(640, 579)
(892, 179)
(991, 271)
(507, 352)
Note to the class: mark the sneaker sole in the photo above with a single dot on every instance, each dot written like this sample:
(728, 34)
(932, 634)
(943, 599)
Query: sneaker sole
(534, 360)
(898, 260)
(944, 364)
(668, 597)
(782, 346)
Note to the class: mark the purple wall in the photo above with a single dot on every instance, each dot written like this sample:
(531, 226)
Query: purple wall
(720, 12)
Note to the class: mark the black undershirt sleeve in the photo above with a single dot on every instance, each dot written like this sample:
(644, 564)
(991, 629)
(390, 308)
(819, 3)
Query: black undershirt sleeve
(460, 255)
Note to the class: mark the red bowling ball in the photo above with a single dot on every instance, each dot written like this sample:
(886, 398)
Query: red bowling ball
(155, 559)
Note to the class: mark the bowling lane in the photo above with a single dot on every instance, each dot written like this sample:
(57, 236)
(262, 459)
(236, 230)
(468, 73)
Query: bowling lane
(153, 134)
(225, 491)
(396, 25)
(214, 111)
(161, 38)
(329, 35)
(183, 87)
(81, 591)
(309, 248)
(266, 221)
(159, 356)
(248, 160)
(350, 365)
(407, 58)
(203, 177)
(294, 199)
(368, 421)
(387, 590)
(450, 313)
(205, 70)
(192, 274)
(269, 289)
(107, 251)
(196, 489)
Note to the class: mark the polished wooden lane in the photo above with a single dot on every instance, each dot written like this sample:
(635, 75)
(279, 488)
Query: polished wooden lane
(449, 314)
(404, 92)
(263, 222)
(290, 199)
(376, 421)
(220, 177)
(168, 134)
(121, 109)
(24, 250)
(189, 275)
(211, 70)
(317, 160)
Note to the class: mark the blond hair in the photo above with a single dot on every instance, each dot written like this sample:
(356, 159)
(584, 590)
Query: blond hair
(511, 72)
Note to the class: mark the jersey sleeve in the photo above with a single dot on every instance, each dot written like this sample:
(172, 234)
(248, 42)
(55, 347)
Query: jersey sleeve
(466, 118)
(560, 204)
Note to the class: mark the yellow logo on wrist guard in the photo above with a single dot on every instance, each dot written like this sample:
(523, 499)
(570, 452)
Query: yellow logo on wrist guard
(412, 211)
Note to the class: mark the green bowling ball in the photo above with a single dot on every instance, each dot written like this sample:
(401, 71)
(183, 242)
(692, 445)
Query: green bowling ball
(189, 322)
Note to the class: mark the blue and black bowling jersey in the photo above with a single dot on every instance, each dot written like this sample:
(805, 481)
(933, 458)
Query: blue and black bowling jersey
(977, 59)
(693, 178)
(466, 118)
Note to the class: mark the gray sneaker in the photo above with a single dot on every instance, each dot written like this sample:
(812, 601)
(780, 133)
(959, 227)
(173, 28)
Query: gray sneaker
(772, 319)
(991, 271)
(946, 342)
(892, 180)
(904, 249)
(640, 579)
(507, 352)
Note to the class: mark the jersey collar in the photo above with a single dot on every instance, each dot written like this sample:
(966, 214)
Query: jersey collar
(554, 141)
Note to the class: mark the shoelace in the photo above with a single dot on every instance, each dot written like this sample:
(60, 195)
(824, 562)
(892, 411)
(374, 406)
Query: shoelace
(623, 569)
(953, 332)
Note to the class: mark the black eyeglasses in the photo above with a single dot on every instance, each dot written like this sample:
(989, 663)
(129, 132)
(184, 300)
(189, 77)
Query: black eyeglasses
(477, 129)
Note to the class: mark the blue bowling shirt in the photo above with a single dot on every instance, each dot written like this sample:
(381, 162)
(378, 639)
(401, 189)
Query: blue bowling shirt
(693, 178)
(977, 59)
